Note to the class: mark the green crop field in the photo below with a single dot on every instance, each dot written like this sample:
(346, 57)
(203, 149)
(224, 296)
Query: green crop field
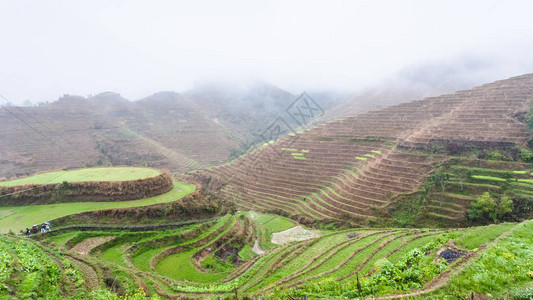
(273, 223)
(88, 174)
(488, 178)
(179, 267)
(19, 217)
(267, 224)
(60, 240)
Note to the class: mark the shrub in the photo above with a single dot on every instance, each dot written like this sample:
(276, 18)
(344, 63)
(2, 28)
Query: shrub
(495, 155)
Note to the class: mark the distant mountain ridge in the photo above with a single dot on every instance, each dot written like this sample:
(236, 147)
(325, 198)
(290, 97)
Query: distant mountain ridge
(180, 132)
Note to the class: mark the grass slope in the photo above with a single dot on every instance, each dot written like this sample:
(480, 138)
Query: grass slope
(475, 238)
(19, 217)
(87, 174)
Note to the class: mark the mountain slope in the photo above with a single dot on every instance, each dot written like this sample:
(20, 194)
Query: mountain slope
(179, 132)
(348, 168)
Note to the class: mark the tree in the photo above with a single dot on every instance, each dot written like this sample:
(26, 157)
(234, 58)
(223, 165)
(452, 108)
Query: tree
(525, 154)
(440, 179)
(486, 208)
(504, 207)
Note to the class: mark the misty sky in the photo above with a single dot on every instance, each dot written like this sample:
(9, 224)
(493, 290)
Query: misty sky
(136, 48)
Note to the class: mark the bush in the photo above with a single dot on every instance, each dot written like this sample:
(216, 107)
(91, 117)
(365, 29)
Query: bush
(495, 155)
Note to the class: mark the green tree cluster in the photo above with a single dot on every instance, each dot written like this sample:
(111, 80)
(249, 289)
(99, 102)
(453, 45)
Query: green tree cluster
(525, 155)
(488, 209)
(495, 155)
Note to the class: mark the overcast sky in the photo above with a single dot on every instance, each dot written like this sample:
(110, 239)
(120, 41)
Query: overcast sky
(136, 48)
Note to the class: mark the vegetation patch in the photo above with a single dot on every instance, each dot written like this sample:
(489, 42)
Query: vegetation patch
(520, 172)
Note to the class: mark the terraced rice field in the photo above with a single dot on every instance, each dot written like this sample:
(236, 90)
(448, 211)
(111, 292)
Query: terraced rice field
(353, 169)
(171, 262)
(17, 218)
(324, 186)
(355, 165)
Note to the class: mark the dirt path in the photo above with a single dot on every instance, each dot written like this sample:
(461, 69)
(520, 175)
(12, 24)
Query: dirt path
(256, 249)
(294, 234)
(84, 247)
